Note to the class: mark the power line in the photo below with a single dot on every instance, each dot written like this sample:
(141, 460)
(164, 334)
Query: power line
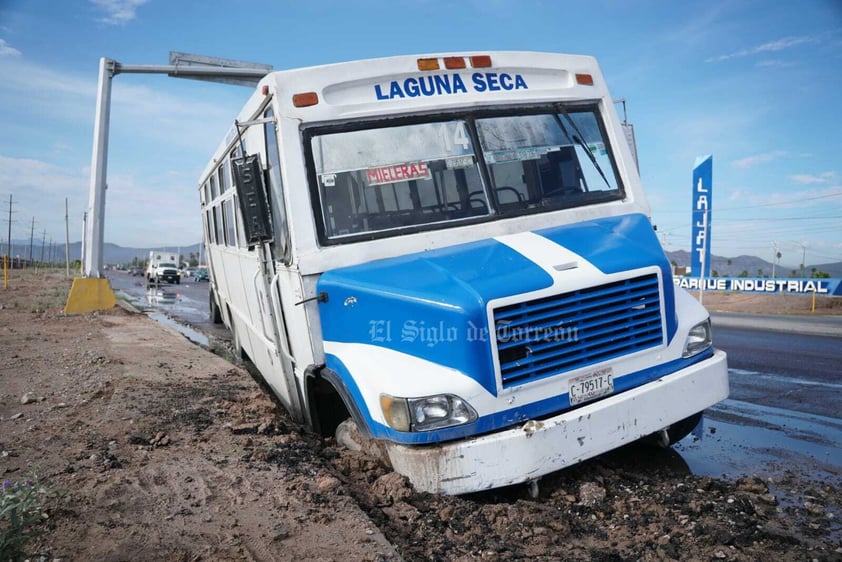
(777, 204)
(800, 199)
(776, 219)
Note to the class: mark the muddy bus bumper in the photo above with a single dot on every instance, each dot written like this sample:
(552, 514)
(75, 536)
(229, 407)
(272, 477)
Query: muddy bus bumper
(536, 448)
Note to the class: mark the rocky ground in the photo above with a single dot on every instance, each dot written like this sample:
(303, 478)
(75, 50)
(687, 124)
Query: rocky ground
(153, 448)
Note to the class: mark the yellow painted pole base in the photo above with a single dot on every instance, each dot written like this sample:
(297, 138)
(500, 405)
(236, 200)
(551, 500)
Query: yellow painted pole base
(89, 294)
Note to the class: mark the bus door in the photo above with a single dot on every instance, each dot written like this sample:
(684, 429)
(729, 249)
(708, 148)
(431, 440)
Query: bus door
(263, 282)
(264, 220)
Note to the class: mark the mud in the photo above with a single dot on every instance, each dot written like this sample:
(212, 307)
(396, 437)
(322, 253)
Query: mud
(160, 450)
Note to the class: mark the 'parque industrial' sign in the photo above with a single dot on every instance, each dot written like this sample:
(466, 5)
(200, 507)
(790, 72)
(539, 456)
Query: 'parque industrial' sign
(829, 287)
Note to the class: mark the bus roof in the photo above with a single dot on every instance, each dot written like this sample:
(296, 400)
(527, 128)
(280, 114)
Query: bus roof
(415, 83)
(422, 82)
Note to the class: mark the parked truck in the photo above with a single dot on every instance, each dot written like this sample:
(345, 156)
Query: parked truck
(162, 268)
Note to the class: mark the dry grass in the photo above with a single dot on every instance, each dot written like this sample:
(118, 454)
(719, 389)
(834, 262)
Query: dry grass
(753, 303)
(35, 290)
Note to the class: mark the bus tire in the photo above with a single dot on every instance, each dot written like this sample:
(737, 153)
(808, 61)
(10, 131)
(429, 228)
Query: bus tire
(681, 429)
(236, 341)
(674, 433)
(213, 309)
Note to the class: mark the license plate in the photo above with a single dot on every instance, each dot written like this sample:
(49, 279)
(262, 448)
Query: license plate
(591, 385)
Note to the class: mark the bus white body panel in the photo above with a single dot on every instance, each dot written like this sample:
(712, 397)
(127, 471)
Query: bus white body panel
(455, 251)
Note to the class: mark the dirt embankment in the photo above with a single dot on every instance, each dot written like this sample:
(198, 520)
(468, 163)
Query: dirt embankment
(160, 450)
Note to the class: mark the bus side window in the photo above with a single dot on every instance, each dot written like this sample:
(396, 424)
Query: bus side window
(276, 188)
(238, 222)
(209, 226)
(217, 222)
(228, 221)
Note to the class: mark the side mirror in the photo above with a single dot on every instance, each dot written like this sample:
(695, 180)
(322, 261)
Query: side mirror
(248, 178)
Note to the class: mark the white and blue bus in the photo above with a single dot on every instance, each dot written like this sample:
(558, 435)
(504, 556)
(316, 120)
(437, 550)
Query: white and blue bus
(455, 252)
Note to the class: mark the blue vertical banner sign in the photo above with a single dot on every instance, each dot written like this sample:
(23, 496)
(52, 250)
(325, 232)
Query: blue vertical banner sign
(700, 241)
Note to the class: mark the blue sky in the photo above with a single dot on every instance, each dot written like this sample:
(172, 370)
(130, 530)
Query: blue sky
(757, 84)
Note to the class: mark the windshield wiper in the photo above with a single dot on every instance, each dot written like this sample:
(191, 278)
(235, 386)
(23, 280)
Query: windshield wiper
(578, 138)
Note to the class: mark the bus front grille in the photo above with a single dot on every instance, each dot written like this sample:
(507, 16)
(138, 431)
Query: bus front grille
(552, 335)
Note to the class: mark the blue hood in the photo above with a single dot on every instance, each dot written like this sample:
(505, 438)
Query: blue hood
(432, 304)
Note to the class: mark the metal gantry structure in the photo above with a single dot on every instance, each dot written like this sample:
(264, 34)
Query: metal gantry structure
(182, 65)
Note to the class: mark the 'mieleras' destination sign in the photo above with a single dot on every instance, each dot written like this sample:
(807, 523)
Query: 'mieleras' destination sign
(828, 287)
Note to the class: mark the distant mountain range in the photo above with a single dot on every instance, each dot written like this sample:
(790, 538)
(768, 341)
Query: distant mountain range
(754, 266)
(724, 267)
(111, 253)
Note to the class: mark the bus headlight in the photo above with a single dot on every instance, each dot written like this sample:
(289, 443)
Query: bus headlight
(427, 413)
(698, 339)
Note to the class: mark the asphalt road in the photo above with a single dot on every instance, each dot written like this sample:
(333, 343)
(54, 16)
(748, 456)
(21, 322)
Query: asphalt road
(784, 412)
(785, 370)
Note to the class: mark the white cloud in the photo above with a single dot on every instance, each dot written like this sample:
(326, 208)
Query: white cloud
(825, 197)
(808, 179)
(751, 161)
(199, 116)
(26, 174)
(39, 190)
(736, 195)
(7, 50)
(133, 214)
(774, 63)
(118, 12)
(152, 119)
(24, 80)
(770, 47)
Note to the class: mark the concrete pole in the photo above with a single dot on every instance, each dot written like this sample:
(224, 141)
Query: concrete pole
(66, 240)
(95, 225)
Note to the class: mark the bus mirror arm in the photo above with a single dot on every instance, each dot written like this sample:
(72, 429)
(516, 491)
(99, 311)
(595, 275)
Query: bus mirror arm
(321, 297)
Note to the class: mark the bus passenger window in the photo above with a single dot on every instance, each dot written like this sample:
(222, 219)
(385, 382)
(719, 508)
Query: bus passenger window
(217, 221)
(209, 226)
(228, 218)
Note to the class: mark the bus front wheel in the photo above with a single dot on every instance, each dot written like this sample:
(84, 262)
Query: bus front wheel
(676, 432)
(213, 308)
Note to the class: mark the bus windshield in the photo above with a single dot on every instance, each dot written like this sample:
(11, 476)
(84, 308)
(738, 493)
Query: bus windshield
(377, 181)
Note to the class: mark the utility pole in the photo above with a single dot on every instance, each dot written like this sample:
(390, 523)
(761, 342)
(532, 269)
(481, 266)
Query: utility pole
(31, 236)
(803, 256)
(66, 240)
(43, 240)
(10, 227)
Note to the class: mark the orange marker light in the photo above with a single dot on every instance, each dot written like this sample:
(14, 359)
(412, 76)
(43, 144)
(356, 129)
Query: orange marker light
(584, 79)
(305, 100)
(428, 64)
(481, 61)
(454, 62)
(265, 89)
